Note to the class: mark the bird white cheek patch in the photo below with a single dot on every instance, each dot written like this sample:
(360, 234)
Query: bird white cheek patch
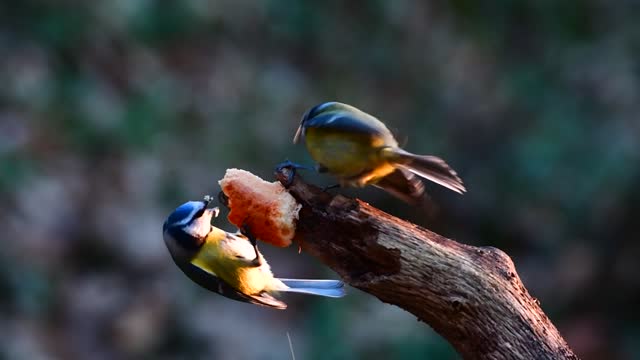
(200, 227)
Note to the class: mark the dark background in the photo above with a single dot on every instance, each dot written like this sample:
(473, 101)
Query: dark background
(112, 113)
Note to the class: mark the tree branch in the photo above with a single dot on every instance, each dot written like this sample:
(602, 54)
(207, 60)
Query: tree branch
(472, 296)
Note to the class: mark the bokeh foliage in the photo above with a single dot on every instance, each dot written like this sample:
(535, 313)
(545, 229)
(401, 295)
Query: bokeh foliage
(114, 112)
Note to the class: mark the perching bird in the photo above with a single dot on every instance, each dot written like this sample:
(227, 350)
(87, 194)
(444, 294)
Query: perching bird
(359, 150)
(230, 264)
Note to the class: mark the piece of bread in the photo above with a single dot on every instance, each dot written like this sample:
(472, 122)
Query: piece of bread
(266, 208)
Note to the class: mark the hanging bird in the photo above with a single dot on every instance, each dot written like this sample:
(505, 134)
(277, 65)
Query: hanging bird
(359, 150)
(230, 264)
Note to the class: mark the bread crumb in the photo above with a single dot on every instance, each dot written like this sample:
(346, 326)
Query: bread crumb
(265, 207)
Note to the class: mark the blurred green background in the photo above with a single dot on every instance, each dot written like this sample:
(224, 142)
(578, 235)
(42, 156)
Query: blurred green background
(112, 113)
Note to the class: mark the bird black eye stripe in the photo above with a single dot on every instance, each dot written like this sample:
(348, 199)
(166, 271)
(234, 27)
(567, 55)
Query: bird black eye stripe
(184, 239)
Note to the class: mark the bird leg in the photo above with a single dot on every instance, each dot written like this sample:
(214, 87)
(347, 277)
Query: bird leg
(293, 167)
(246, 231)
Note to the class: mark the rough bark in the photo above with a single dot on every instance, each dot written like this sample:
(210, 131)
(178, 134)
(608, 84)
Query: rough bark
(472, 296)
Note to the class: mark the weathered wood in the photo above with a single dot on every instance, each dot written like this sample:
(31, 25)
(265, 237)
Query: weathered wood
(472, 296)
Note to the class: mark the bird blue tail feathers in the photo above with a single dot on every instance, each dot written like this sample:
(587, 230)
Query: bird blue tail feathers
(328, 288)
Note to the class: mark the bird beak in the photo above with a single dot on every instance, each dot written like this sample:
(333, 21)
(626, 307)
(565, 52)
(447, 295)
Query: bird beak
(296, 137)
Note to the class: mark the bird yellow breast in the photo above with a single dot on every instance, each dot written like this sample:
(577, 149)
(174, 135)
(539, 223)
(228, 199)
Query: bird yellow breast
(348, 155)
(255, 280)
(222, 262)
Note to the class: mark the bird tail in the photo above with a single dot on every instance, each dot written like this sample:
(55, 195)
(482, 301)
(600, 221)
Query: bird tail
(429, 167)
(328, 288)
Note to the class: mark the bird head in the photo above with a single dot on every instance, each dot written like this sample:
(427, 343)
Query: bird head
(188, 225)
(320, 109)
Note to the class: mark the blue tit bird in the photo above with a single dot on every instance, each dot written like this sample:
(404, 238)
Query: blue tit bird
(230, 264)
(359, 150)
